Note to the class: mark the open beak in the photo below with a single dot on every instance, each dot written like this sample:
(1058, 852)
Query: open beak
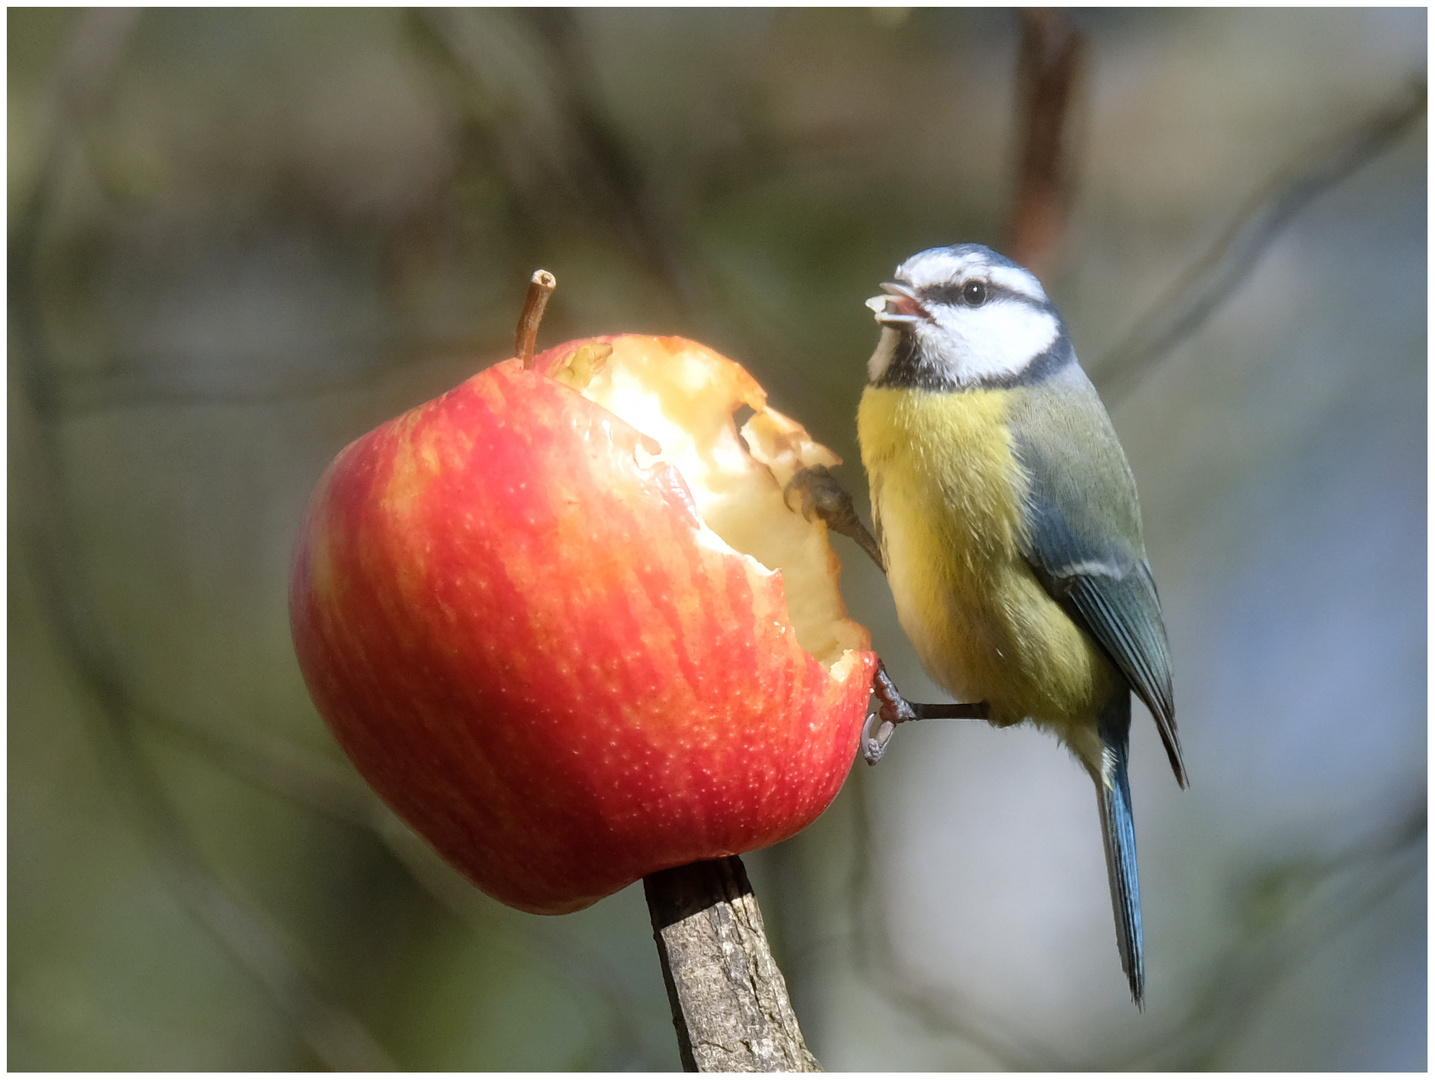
(897, 306)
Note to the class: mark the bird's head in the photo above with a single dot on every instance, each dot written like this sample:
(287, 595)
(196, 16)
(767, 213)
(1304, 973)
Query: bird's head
(960, 317)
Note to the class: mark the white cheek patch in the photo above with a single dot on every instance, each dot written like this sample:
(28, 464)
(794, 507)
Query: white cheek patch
(994, 341)
(881, 358)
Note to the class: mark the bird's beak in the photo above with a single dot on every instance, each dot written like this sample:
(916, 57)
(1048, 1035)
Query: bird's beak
(897, 306)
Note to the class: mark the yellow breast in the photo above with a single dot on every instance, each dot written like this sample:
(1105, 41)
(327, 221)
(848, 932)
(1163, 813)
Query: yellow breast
(947, 493)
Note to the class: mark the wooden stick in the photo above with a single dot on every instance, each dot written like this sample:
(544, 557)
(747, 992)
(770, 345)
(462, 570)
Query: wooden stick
(729, 1000)
(540, 288)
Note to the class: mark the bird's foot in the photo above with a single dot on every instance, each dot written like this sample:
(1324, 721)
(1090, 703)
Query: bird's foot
(824, 497)
(893, 709)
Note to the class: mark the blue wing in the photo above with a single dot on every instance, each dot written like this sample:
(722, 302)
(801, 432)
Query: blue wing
(1083, 538)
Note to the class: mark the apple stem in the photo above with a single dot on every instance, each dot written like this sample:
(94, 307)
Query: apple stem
(729, 1000)
(540, 288)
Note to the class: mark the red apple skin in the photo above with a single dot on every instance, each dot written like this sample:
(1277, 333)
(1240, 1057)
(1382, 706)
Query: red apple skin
(502, 611)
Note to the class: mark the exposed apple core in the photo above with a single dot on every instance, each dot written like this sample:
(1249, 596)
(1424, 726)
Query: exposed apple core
(685, 400)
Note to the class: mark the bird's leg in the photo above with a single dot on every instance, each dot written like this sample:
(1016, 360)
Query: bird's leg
(894, 709)
(824, 497)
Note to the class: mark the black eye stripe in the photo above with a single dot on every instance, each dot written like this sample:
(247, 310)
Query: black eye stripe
(951, 293)
(942, 294)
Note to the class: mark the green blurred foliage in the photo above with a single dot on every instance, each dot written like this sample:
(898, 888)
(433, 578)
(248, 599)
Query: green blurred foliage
(240, 238)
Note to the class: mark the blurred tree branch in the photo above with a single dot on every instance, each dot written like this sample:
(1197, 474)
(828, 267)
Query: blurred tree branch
(332, 1034)
(1050, 73)
(568, 144)
(1212, 278)
(139, 381)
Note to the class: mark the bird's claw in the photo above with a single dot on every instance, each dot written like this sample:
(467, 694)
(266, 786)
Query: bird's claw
(825, 499)
(823, 496)
(892, 709)
(875, 734)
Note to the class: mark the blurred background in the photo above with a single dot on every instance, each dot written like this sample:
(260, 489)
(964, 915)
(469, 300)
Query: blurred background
(239, 239)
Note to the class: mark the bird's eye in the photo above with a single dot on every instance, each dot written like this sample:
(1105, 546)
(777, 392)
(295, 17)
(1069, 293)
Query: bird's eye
(974, 293)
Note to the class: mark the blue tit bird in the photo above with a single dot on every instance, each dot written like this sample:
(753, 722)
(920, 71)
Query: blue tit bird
(1007, 519)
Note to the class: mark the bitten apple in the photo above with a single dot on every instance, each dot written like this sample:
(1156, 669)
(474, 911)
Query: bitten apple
(563, 622)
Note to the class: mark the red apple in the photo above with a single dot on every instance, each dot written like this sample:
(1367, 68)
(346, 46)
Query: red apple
(563, 622)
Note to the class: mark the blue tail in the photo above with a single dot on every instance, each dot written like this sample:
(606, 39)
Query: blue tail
(1118, 832)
